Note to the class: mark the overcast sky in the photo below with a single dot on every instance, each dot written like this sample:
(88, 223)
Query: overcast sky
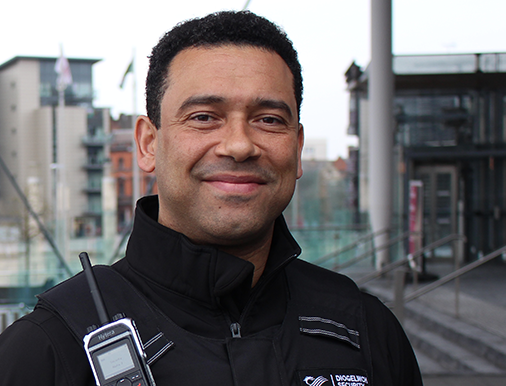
(328, 34)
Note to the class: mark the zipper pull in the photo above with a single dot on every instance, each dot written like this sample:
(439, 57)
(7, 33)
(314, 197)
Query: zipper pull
(236, 330)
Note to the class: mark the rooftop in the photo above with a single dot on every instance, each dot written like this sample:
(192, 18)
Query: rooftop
(449, 64)
(18, 58)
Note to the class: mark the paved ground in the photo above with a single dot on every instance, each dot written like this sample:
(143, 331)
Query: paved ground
(487, 283)
(482, 303)
(482, 297)
(463, 380)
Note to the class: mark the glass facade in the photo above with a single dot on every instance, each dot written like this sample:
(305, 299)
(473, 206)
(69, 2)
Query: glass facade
(434, 119)
(80, 93)
(450, 134)
(321, 213)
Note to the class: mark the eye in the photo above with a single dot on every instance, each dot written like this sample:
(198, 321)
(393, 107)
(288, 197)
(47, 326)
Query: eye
(271, 120)
(202, 118)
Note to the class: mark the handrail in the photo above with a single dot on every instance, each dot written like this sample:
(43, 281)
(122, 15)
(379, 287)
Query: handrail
(11, 312)
(398, 263)
(438, 243)
(128, 229)
(455, 274)
(350, 246)
(36, 217)
(358, 258)
(382, 271)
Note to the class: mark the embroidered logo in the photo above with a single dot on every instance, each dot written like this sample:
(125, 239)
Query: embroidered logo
(311, 381)
(333, 377)
(350, 380)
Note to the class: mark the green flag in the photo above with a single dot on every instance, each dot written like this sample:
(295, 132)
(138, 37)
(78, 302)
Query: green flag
(129, 69)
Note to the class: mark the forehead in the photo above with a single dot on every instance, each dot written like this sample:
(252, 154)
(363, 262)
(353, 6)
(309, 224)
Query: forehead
(229, 68)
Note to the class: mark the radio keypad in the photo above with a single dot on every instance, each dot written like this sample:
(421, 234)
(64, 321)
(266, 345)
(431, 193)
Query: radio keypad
(133, 379)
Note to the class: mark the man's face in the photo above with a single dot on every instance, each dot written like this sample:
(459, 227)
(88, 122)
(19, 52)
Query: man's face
(227, 153)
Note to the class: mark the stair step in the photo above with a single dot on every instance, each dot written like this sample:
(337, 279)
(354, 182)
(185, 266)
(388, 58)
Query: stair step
(427, 326)
(448, 354)
(471, 338)
(428, 365)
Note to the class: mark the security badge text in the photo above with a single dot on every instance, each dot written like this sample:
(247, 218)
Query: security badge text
(330, 378)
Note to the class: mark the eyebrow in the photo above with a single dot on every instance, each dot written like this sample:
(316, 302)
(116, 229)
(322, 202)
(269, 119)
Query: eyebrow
(200, 100)
(274, 104)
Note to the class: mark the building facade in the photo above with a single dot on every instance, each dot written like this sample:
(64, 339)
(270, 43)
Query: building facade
(122, 163)
(62, 149)
(450, 136)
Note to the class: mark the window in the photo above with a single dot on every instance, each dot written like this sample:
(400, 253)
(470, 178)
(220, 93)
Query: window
(95, 204)
(95, 180)
(121, 187)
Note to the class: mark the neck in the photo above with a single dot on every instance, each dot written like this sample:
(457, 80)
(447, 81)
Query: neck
(257, 254)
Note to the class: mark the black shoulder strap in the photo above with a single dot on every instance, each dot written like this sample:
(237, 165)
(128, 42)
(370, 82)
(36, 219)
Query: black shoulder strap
(71, 300)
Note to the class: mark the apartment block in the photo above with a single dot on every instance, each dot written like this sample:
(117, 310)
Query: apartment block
(62, 150)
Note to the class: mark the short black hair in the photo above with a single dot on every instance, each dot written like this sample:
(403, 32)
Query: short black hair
(242, 28)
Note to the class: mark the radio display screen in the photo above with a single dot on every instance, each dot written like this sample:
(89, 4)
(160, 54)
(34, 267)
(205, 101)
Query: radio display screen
(115, 361)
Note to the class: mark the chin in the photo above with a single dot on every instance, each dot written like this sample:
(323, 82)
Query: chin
(238, 232)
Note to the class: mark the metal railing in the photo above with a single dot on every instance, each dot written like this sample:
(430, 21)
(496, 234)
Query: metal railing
(400, 300)
(411, 259)
(362, 240)
(10, 313)
(372, 251)
(351, 246)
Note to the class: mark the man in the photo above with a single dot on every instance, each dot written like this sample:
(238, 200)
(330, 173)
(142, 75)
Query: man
(211, 255)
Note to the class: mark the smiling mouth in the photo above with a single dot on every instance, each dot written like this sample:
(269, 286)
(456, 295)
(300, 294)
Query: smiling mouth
(241, 185)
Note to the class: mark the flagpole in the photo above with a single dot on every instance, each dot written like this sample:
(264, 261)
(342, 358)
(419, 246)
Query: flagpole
(60, 217)
(64, 79)
(135, 167)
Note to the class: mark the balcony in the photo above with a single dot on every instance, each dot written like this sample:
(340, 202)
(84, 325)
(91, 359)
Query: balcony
(94, 165)
(97, 140)
(125, 200)
(92, 189)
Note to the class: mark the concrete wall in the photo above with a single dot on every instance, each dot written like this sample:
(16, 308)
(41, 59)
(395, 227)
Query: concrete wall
(19, 97)
(72, 157)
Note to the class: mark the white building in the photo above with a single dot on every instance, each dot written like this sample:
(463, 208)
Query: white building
(64, 148)
(315, 149)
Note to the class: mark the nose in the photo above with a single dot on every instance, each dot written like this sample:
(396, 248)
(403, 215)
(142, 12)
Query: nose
(238, 142)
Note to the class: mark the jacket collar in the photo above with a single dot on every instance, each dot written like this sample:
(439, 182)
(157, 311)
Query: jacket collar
(200, 272)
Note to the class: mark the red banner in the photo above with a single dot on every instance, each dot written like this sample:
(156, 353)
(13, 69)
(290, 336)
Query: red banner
(415, 215)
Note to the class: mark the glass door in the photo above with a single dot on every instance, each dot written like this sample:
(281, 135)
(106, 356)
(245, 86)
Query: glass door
(439, 205)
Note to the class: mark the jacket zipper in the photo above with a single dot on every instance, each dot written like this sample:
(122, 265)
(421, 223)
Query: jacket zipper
(257, 290)
(235, 328)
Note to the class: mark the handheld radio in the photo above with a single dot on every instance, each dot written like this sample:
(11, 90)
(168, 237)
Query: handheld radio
(114, 350)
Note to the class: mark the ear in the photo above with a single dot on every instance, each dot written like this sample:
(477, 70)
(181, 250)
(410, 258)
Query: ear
(146, 135)
(300, 145)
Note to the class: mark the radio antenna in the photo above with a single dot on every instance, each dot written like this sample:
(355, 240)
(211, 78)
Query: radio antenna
(95, 292)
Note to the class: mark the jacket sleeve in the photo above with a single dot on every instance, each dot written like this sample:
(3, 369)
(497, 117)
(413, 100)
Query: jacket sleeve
(39, 350)
(392, 355)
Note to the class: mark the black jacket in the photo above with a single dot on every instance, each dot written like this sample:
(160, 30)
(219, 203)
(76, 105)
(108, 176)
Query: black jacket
(300, 324)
